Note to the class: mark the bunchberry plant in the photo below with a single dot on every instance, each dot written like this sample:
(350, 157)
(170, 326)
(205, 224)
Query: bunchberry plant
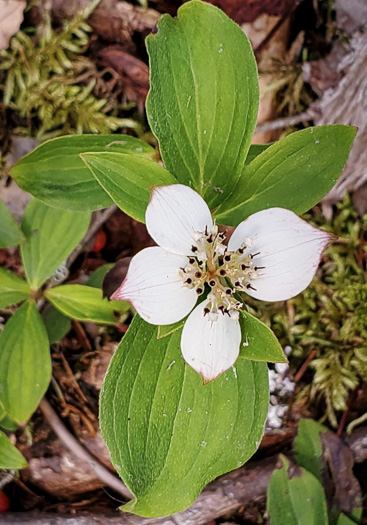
(169, 432)
(271, 256)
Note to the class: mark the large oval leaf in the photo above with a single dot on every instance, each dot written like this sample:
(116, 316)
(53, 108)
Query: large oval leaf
(10, 233)
(168, 434)
(127, 179)
(203, 101)
(54, 173)
(13, 289)
(294, 173)
(25, 363)
(10, 457)
(51, 236)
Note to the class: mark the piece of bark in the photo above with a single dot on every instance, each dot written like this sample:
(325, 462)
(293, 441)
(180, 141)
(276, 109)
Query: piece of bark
(113, 20)
(134, 74)
(241, 487)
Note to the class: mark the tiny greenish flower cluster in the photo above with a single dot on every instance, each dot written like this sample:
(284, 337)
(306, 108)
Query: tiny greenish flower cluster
(330, 316)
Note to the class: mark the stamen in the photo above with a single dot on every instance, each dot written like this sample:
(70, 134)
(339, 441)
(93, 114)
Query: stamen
(212, 283)
(222, 272)
(248, 285)
(206, 311)
(227, 258)
(188, 281)
(199, 291)
(228, 291)
(191, 260)
(259, 268)
(198, 274)
(252, 255)
(194, 248)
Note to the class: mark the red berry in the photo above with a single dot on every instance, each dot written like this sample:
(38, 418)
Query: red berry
(99, 242)
(4, 502)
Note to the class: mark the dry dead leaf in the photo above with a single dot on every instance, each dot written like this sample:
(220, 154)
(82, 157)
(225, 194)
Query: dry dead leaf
(11, 16)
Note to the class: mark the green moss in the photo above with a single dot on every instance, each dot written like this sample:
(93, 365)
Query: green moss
(47, 79)
(330, 316)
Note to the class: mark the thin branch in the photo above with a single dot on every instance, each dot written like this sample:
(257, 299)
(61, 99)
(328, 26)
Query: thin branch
(76, 448)
(285, 122)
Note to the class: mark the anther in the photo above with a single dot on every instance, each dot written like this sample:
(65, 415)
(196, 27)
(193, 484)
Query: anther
(212, 283)
(206, 311)
(191, 260)
(210, 239)
(237, 283)
(194, 248)
(240, 250)
(252, 255)
(227, 258)
(221, 236)
(228, 291)
(259, 268)
(198, 275)
(222, 272)
(248, 285)
(199, 291)
(244, 266)
(188, 281)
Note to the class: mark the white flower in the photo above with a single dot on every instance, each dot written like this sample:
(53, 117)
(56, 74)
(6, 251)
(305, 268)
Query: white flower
(273, 255)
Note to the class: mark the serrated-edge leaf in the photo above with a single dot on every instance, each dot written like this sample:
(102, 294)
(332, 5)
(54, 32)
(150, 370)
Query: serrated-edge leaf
(10, 233)
(168, 434)
(25, 363)
(127, 179)
(13, 289)
(10, 457)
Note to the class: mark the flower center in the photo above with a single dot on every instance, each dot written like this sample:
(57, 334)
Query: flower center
(224, 272)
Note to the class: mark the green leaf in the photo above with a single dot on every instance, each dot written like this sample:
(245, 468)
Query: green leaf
(56, 323)
(55, 174)
(13, 289)
(168, 434)
(10, 457)
(254, 151)
(169, 329)
(127, 179)
(96, 279)
(51, 234)
(7, 423)
(295, 497)
(308, 447)
(344, 520)
(203, 101)
(25, 363)
(294, 173)
(85, 303)
(10, 233)
(259, 342)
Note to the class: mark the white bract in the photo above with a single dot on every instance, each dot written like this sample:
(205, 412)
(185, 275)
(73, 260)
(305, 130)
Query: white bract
(273, 255)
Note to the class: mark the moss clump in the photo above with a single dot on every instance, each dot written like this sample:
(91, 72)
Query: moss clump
(330, 316)
(47, 79)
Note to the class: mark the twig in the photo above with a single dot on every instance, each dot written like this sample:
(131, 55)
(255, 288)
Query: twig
(277, 26)
(285, 122)
(95, 226)
(303, 368)
(76, 448)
